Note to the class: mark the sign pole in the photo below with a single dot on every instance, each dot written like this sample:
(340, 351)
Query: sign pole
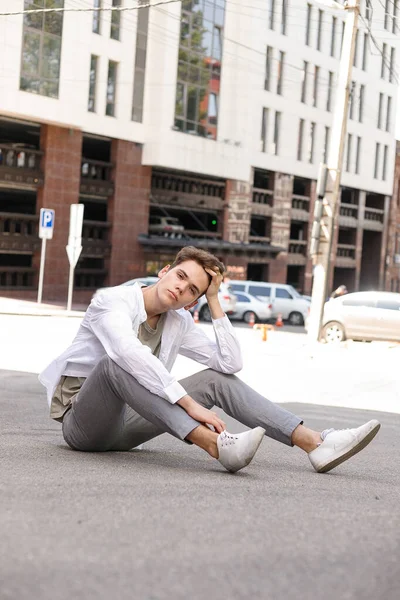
(41, 270)
(70, 286)
(74, 247)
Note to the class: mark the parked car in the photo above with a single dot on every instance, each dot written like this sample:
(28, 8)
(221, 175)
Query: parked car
(226, 297)
(166, 226)
(284, 299)
(362, 316)
(249, 307)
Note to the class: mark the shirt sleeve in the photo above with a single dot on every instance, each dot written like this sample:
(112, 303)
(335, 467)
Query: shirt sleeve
(222, 355)
(110, 321)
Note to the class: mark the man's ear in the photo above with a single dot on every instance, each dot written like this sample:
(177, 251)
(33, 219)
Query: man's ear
(163, 271)
(189, 306)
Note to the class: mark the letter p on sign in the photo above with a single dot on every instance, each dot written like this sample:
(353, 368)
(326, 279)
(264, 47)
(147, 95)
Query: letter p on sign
(46, 223)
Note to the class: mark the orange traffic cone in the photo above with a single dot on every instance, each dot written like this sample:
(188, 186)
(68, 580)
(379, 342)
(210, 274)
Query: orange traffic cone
(252, 320)
(196, 316)
(279, 322)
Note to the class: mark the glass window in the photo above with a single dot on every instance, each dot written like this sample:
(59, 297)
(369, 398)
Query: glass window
(304, 82)
(392, 64)
(380, 110)
(326, 145)
(140, 69)
(115, 32)
(384, 165)
(361, 103)
(313, 127)
(333, 36)
(355, 57)
(300, 140)
(111, 88)
(388, 304)
(358, 155)
(348, 157)
(282, 293)
(383, 61)
(365, 51)
(92, 84)
(96, 16)
(199, 67)
(320, 24)
(271, 19)
(329, 95)
(237, 286)
(277, 127)
(352, 100)
(284, 16)
(376, 167)
(354, 300)
(388, 112)
(268, 68)
(316, 85)
(279, 84)
(41, 49)
(242, 298)
(308, 25)
(264, 129)
(259, 291)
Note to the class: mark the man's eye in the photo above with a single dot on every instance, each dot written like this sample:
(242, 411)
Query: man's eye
(180, 275)
(193, 290)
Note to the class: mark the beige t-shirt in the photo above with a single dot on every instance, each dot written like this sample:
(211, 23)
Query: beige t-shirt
(69, 386)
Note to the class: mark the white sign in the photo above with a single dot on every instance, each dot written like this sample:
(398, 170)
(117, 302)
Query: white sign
(74, 247)
(46, 223)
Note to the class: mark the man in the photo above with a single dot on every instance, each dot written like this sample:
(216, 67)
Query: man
(112, 388)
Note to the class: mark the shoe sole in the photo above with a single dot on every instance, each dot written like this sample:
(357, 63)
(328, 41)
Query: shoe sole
(362, 444)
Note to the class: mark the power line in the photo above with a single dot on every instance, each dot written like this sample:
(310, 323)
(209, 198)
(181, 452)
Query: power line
(92, 9)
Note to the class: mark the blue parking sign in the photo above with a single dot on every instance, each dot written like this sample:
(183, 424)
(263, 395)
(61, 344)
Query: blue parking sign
(46, 223)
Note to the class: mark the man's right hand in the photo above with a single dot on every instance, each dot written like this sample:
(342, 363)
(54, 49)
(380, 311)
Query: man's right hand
(201, 414)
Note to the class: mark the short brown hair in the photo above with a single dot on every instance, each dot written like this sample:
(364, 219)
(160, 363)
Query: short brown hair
(202, 257)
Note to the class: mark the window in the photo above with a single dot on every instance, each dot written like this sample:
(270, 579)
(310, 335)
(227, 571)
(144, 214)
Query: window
(268, 68)
(387, 14)
(352, 99)
(96, 16)
(341, 42)
(111, 88)
(300, 140)
(365, 51)
(242, 298)
(384, 166)
(92, 83)
(388, 304)
(380, 105)
(304, 82)
(308, 26)
(348, 157)
(313, 128)
(377, 151)
(326, 145)
(271, 19)
(282, 293)
(264, 129)
(259, 291)
(355, 57)
(358, 155)
(392, 64)
(237, 286)
(333, 36)
(277, 127)
(315, 88)
(359, 300)
(140, 66)
(279, 84)
(395, 17)
(41, 49)
(388, 112)
(284, 16)
(319, 32)
(383, 61)
(361, 103)
(199, 67)
(116, 20)
(329, 96)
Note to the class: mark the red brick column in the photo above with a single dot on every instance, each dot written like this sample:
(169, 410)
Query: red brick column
(128, 211)
(62, 167)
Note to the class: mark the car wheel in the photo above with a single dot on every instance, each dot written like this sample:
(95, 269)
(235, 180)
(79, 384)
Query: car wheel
(333, 333)
(205, 313)
(248, 316)
(296, 318)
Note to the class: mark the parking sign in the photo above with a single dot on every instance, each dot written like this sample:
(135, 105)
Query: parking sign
(46, 223)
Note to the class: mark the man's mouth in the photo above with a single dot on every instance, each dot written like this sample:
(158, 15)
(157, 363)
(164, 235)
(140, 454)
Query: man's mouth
(174, 295)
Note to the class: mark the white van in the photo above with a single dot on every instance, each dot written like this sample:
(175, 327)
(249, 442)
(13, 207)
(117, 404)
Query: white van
(283, 299)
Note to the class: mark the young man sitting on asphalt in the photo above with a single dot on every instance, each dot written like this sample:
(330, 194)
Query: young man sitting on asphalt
(112, 388)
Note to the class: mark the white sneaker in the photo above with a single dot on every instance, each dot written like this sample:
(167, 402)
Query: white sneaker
(236, 450)
(340, 444)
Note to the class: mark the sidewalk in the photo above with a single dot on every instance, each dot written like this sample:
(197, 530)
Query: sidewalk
(13, 306)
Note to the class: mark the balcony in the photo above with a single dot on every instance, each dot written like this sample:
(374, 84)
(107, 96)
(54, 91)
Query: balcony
(180, 191)
(95, 239)
(348, 215)
(17, 278)
(345, 256)
(300, 208)
(96, 178)
(373, 219)
(90, 279)
(20, 167)
(19, 233)
(259, 239)
(262, 201)
(297, 252)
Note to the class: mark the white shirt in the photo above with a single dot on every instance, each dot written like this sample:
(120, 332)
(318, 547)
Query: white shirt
(111, 326)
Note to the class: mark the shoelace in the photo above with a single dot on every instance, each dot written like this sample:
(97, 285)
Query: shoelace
(227, 439)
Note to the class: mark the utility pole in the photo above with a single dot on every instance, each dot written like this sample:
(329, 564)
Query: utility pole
(327, 204)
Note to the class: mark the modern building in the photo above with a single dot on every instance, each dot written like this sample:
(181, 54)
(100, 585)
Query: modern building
(211, 111)
(392, 283)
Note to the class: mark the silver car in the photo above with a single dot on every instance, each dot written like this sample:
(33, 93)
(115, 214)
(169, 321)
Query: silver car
(362, 316)
(249, 307)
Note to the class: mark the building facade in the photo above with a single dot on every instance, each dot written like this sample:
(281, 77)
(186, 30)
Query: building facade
(209, 111)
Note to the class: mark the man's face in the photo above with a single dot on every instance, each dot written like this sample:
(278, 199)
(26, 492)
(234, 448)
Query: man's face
(181, 286)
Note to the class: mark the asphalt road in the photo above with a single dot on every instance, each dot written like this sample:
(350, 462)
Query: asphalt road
(168, 522)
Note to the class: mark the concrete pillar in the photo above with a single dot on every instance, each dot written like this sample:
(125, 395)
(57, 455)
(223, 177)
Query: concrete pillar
(359, 237)
(237, 212)
(385, 237)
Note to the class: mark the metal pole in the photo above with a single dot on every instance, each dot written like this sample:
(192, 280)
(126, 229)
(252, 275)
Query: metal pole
(322, 260)
(70, 286)
(41, 270)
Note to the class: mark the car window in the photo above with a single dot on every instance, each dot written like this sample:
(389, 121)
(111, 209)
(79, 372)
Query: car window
(242, 298)
(282, 293)
(258, 291)
(294, 292)
(359, 301)
(237, 286)
(389, 304)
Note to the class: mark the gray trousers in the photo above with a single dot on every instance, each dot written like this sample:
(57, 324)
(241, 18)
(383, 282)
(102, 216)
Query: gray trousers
(112, 411)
